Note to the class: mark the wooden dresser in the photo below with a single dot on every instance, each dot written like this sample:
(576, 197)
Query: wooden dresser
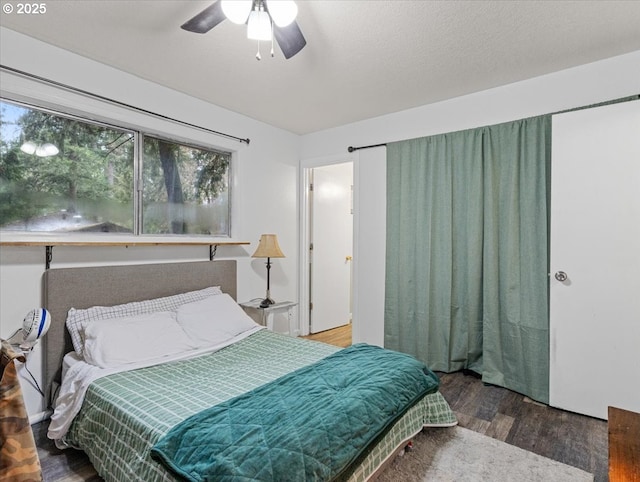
(624, 445)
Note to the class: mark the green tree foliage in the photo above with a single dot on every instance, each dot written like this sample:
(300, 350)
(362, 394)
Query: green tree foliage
(92, 168)
(212, 174)
(179, 175)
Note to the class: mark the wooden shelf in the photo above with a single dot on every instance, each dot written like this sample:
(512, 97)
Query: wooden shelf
(123, 243)
(50, 244)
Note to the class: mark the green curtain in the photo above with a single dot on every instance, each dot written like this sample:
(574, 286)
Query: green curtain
(467, 252)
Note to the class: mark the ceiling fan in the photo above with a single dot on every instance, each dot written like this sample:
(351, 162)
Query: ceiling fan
(265, 20)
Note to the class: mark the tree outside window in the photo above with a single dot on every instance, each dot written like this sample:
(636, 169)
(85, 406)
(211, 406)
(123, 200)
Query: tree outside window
(186, 189)
(64, 174)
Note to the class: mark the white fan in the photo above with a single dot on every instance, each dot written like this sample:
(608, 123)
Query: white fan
(34, 326)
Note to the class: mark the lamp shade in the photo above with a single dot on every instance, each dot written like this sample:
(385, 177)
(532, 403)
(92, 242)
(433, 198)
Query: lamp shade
(268, 247)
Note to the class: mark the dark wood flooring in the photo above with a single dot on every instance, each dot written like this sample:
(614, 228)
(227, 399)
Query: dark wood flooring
(496, 412)
(567, 437)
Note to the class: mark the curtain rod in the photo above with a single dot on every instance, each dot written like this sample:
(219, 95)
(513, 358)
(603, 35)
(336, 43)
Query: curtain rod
(351, 148)
(118, 103)
(590, 106)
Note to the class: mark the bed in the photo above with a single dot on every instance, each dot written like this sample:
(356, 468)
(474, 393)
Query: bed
(134, 417)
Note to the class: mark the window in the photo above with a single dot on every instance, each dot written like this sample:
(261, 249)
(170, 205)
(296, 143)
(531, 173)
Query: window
(64, 174)
(185, 189)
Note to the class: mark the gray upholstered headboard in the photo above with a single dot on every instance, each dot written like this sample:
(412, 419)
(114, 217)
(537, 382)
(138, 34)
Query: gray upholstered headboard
(67, 288)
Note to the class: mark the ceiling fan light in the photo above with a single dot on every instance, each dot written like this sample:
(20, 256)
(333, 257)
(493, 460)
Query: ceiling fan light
(28, 147)
(259, 25)
(236, 10)
(46, 150)
(283, 12)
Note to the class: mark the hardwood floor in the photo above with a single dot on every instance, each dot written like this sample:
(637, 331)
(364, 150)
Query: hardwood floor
(496, 412)
(567, 437)
(624, 445)
(340, 336)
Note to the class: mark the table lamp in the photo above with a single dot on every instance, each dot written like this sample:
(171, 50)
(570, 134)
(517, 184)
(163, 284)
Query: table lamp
(268, 248)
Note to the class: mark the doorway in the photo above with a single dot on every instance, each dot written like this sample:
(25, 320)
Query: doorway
(328, 247)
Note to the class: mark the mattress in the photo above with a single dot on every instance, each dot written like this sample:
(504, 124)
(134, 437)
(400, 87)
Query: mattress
(124, 414)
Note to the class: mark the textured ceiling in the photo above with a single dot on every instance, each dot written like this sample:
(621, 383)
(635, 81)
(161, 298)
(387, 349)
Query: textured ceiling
(363, 58)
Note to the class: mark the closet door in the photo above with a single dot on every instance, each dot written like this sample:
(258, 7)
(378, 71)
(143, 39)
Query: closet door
(595, 260)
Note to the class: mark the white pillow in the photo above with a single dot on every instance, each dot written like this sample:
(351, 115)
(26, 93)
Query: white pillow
(214, 320)
(113, 342)
(75, 318)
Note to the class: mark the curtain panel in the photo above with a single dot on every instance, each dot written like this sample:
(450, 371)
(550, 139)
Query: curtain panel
(467, 252)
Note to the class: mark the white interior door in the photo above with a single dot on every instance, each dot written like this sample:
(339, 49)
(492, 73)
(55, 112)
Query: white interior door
(332, 240)
(595, 241)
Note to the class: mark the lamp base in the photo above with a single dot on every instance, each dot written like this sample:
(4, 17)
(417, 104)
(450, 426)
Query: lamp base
(266, 303)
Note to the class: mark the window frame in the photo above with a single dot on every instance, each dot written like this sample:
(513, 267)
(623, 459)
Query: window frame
(139, 133)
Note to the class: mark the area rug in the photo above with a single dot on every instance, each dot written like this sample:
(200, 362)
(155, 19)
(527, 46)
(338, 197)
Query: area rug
(457, 454)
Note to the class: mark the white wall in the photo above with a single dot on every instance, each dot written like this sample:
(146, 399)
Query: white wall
(264, 195)
(592, 83)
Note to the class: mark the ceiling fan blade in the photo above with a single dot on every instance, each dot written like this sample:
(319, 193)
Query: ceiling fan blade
(205, 20)
(290, 39)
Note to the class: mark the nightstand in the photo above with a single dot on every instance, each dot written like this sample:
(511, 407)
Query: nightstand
(265, 316)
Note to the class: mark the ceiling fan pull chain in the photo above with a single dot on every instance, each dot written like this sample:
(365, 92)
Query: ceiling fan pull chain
(271, 39)
(258, 56)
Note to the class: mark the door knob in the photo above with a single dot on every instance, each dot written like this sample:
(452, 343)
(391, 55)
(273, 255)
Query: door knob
(561, 276)
(348, 258)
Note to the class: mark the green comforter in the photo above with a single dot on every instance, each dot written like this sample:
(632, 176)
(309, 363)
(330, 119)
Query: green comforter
(311, 424)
